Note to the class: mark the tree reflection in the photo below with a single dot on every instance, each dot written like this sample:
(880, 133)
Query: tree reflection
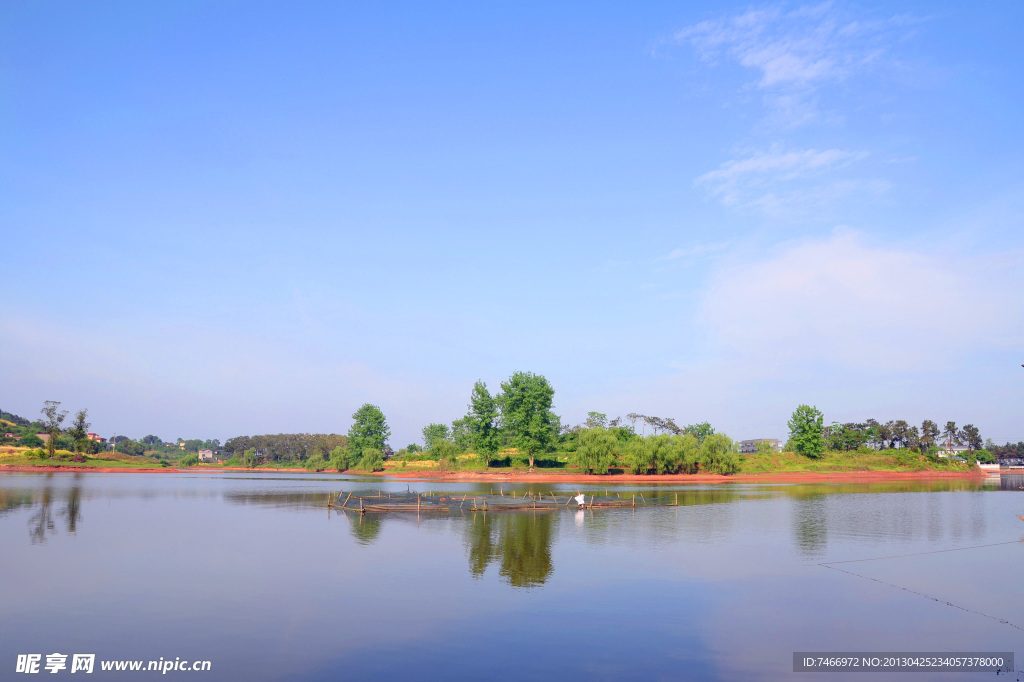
(521, 542)
(810, 524)
(73, 509)
(41, 522)
(365, 528)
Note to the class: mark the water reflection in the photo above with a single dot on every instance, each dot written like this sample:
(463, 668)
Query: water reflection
(519, 542)
(810, 524)
(365, 528)
(41, 522)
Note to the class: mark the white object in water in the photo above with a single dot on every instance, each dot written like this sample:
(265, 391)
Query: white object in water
(580, 499)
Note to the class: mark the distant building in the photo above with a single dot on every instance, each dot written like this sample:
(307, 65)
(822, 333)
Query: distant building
(206, 455)
(181, 445)
(952, 451)
(93, 436)
(749, 447)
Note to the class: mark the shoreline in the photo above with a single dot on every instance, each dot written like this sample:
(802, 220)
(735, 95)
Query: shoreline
(537, 477)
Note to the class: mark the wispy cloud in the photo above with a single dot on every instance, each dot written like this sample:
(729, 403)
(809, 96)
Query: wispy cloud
(694, 251)
(796, 48)
(783, 181)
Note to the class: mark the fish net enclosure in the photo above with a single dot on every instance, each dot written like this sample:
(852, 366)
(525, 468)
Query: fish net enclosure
(382, 502)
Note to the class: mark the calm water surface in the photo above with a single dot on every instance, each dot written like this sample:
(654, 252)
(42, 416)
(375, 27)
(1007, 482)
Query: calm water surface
(253, 574)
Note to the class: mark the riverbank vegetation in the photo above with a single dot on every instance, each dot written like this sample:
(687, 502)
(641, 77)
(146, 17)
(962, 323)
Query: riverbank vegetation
(517, 429)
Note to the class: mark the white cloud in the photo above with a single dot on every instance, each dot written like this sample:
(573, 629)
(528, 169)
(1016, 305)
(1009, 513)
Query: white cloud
(694, 251)
(778, 182)
(846, 304)
(799, 48)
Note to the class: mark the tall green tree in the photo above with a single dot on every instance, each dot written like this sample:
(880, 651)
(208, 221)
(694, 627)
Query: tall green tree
(970, 437)
(369, 430)
(805, 431)
(596, 419)
(434, 434)
(526, 414)
(929, 434)
(53, 417)
(79, 430)
(483, 422)
(951, 435)
(700, 431)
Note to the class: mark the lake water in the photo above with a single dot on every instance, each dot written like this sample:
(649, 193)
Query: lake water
(251, 572)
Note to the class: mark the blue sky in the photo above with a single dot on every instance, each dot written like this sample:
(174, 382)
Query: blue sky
(228, 218)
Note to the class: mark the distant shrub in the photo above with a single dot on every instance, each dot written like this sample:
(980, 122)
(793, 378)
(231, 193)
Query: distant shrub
(372, 460)
(447, 455)
(189, 460)
(718, 455)
(316, 463)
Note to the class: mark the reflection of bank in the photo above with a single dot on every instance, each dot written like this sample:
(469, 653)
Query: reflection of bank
(519, 543)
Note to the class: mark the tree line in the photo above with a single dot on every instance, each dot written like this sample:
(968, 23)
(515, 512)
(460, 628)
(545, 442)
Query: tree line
(809, 436)
(74, 437)
(520, 419)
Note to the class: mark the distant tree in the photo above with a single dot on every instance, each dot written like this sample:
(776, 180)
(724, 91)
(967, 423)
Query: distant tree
(595, 451)
(369, 430)
(483, 422)
(765, 448)
(914, 438)
(700, 431)
(372, 459)
(669, 426)
(526, 413)
(632, 417)
(130, 447)
(929, 434)
(885, 434)
(434, 434)
(899, 433)
(341, 458)
(32, 441)
(835, 436)
(447, 454)
(413, 447)
(805, 431)
(316, 463)
(189, 460)
(718, 454)
(79, 430)
(460, 434)
(596, 420)
(970, 437)
(250, 459)
(151, 440)
(951, 435)
(53, 417)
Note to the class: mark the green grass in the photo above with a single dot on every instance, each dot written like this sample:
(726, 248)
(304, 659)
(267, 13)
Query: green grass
(836, 461)
(28, 457)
